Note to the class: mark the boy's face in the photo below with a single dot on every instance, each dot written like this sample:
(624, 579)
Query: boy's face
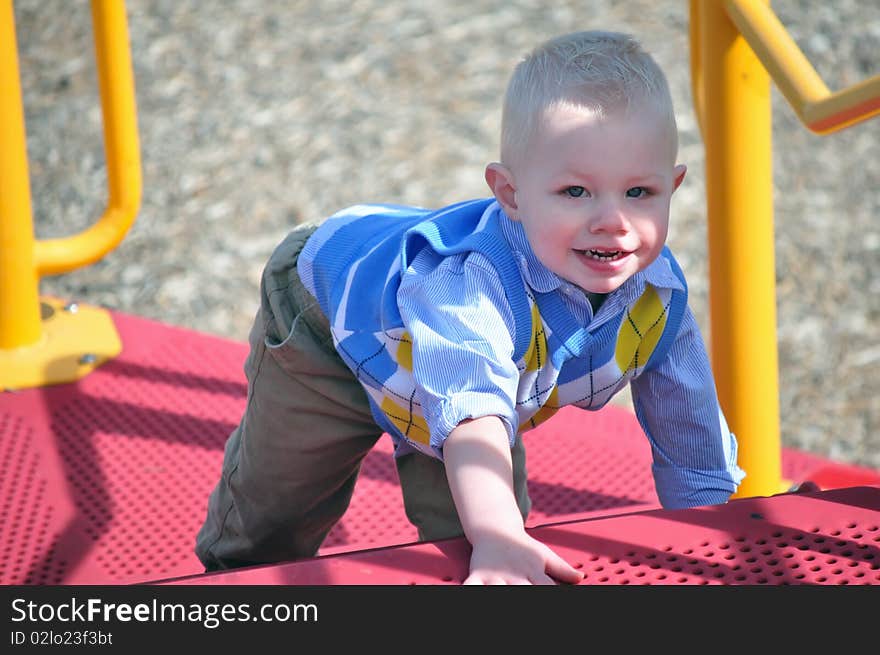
(593, 194)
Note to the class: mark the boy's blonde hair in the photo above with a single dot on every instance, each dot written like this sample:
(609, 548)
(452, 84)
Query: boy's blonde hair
(602, 72)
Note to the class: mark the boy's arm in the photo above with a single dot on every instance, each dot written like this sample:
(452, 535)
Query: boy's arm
(478, 466)
(459, 320)
(677, 406)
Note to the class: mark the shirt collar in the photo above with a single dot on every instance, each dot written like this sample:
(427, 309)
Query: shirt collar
(541, 279)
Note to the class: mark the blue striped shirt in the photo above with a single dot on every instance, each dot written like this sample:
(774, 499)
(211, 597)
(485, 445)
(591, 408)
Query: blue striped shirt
(459, 344)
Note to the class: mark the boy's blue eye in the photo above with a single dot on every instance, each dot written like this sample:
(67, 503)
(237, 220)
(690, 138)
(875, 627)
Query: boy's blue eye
(576, 191)
(636, 192)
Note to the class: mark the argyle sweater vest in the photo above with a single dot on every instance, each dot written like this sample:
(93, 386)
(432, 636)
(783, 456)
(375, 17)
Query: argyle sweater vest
(353, 265)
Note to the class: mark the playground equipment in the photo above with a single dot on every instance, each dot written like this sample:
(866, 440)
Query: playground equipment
(111, 440)
(53, 342)
(733, 46)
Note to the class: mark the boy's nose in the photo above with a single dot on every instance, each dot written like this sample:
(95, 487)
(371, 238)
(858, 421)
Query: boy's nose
(609, 218)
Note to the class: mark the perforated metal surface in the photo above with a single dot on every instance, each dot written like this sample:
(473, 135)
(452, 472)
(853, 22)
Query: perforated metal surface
(106, 480)
(26, 522)
(123, 456)
(829, 537)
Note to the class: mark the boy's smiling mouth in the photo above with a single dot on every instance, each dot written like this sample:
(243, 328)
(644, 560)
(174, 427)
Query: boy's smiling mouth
(603, 255)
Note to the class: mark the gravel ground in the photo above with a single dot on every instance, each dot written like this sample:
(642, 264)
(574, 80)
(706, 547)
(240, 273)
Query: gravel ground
(254, 116)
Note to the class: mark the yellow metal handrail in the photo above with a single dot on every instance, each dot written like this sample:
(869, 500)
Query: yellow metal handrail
(121, 149)
(736, 47)
(818, 108)
(34, 350)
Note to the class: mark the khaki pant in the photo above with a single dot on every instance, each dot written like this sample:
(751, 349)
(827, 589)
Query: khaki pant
(290, 467)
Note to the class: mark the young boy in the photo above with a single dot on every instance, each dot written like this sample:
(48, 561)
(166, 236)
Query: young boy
(458, 329)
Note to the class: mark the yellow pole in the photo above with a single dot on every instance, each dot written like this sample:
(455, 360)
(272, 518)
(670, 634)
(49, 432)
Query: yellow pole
(742, 276)
(19, 284)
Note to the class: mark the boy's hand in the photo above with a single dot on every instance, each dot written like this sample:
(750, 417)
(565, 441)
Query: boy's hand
(517, 559)
(479, 469)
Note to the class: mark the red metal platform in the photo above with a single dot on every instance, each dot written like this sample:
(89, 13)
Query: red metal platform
(105, 480)
(826, 537)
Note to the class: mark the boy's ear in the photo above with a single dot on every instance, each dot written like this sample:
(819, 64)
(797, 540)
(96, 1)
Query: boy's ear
(678, 172)
(500, 181)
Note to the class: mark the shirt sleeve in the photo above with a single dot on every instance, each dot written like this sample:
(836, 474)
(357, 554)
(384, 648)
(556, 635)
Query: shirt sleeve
(460, 323)
(677, 406)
